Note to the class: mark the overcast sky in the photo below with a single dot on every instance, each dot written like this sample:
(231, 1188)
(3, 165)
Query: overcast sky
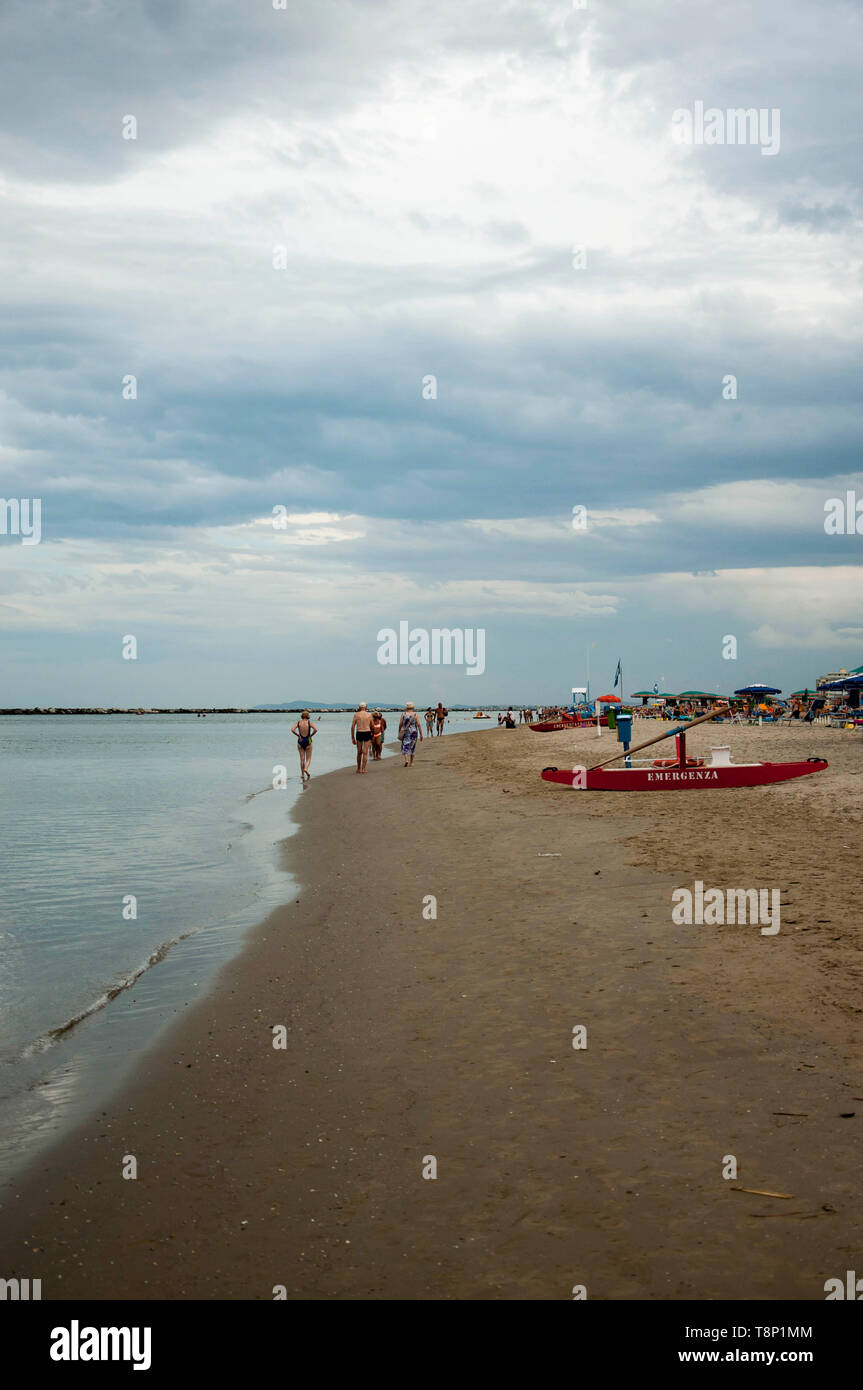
(326, 205)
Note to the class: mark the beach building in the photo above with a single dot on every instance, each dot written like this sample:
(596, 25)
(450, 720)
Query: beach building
(851, 697)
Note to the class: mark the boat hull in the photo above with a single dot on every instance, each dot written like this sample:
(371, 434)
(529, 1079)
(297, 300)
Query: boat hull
(553, 726)
(657, 779)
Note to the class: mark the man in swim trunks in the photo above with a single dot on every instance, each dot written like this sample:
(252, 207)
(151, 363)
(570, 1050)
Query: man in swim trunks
(379, 728)
(440, 715)
(305, 731)
(361, 735)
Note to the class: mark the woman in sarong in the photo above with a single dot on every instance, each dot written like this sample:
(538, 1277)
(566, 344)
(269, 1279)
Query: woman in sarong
(409, 731)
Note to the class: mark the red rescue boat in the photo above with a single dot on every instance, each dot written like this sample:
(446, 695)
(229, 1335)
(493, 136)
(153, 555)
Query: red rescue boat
(680, 773)
(655, 779)
(566, 721)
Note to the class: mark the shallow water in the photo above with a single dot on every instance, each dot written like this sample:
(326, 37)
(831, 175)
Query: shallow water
(176, 813)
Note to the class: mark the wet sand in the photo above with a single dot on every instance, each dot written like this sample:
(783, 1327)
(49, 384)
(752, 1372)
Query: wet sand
(410, 1037)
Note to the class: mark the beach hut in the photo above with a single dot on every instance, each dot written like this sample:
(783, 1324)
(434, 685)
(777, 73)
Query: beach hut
(699, 697)
(644, 695)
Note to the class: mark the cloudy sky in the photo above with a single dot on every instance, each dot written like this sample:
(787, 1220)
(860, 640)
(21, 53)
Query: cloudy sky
(328, 204)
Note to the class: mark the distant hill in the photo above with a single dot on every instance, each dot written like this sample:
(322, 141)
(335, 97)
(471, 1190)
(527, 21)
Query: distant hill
(296, 704)
(292, 705)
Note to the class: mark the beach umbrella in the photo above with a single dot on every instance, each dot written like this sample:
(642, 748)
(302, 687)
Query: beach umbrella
(665, 695)
(698, 695)
(758, 689)
(608, 699)
(643, 695)
(851, 682)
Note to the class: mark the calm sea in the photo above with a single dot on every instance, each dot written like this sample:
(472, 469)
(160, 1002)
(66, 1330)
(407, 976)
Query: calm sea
(135, 852)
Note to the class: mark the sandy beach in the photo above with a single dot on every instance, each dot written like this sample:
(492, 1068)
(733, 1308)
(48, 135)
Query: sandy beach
(410, 1036)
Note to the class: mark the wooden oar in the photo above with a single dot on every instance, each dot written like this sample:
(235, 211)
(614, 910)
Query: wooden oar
(681, 729)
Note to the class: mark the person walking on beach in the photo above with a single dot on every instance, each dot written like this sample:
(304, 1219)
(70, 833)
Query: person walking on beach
(440, 715)
(305, 731)
(429, 716)
(379, 728)
(361, 735)
(409, 729)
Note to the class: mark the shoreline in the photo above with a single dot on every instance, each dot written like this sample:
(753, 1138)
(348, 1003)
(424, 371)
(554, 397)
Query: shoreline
(408, 1038)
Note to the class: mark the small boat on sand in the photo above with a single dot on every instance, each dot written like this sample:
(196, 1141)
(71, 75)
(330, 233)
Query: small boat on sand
(680, 773)
(647, 779)
(566, 721)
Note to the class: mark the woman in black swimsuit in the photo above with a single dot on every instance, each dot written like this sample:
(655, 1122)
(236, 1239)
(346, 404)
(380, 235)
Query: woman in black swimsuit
(305, 731)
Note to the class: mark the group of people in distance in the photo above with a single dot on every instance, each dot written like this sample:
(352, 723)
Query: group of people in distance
(367, 732)
(435, 719)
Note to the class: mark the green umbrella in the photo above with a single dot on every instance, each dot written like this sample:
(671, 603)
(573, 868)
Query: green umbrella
(642, 694)
(698, 695)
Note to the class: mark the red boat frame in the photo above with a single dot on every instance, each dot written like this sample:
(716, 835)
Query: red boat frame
(635, 779)
(553, 726)
(678, 774)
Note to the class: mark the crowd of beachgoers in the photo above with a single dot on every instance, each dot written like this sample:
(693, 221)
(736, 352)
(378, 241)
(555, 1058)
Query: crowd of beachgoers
(368, 728)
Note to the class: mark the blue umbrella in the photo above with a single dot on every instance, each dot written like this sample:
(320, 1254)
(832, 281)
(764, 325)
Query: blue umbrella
(758, 690)
(846, 683)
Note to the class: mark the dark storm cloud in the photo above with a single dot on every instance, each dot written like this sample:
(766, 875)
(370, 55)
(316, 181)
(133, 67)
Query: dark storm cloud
(305, 390)
(70, 72)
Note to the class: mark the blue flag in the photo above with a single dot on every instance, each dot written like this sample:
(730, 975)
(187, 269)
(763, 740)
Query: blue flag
(617, 676)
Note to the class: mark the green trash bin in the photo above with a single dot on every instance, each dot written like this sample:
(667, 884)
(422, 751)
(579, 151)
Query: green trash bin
(612, 717)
